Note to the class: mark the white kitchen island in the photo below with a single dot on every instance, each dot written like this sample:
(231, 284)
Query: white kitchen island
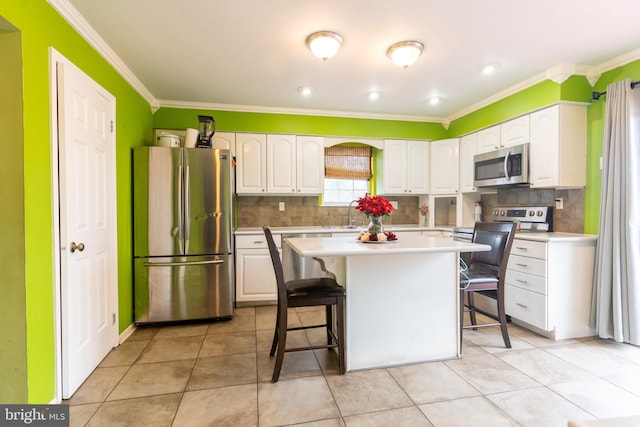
(402, 297)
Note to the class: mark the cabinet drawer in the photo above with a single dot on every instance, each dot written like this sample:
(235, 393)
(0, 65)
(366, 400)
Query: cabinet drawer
(255, 241)
(527, 306)
(529, 248)
(528, 265)
(527, 281)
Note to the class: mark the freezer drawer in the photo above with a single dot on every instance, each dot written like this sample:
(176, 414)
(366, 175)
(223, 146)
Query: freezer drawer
(170, 289)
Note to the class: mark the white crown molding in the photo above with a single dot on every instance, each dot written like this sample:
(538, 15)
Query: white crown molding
(616, 62)
(77, 21)
(531, 81)
(294, 111)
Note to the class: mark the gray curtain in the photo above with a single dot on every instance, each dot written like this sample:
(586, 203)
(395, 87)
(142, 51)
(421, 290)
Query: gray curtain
(615, 308)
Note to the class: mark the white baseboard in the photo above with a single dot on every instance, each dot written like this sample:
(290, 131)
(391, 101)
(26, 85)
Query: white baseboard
(127, 332)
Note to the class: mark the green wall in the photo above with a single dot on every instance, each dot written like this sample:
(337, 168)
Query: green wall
(595, 137)
(40, 27)
(13, 315)
(176, 118)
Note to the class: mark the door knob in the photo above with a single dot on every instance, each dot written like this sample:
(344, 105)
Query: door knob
(79, 247)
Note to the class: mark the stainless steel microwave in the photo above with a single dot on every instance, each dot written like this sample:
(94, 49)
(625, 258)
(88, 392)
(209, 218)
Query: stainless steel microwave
(507, 166)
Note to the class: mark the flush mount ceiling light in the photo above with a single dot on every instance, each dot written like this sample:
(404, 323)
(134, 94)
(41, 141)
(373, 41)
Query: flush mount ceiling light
(435, 100)
(373, 96)
(405, 53)
(325, 44)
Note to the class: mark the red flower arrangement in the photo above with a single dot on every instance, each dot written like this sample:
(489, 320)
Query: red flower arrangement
(374, 206)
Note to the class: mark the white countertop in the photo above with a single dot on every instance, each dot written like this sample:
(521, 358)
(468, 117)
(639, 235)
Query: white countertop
(556, 237)
(348, 246)
(334, 229)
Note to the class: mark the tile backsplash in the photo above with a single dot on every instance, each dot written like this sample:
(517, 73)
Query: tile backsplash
(570, 219)
(256, 211)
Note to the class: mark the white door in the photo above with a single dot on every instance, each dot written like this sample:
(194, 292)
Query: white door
(86, 114)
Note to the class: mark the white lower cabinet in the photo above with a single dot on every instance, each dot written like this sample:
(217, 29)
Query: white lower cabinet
(548, 286)
(255, 279)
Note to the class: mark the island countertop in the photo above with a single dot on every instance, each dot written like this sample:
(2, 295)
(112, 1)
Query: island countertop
(350, 246)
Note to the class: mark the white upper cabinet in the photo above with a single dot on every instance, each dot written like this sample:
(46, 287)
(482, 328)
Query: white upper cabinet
(558, 149)
(444, 166)
(405, 167)
(507, 134)
(514, 132)
(224, 140)
(310, 164)
(251, 163)
(281, 164)
(468, 149)
(488, 139)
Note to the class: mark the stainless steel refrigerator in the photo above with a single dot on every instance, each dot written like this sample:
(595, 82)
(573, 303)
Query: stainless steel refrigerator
(183, 245)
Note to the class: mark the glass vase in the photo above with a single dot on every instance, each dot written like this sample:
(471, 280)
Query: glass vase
(375, 226)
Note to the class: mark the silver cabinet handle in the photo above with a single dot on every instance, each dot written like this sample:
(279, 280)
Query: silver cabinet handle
(79, 247)
(520, 248)
(521, 305)
(522, 265)
(522, 281)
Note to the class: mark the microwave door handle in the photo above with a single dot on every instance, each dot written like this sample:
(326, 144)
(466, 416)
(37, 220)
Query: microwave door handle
(506, 166)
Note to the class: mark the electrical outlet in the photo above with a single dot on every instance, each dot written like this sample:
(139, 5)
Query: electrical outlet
(559, 203)
(281, 206)
(394, 204)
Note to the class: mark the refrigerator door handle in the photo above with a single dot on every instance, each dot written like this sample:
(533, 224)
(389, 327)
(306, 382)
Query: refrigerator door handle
(187, 210)
(181, 264)
(180, 208)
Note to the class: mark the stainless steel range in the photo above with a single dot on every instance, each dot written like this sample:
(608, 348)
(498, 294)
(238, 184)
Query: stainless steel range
(532, 219)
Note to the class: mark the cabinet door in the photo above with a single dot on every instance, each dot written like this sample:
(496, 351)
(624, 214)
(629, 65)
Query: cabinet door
(251, 163)
(543, 151)
(281, 164)
(468, 147)
(515, 132)
(224, 140)
(310, 164)
(394, 168)
(489, 139)
(444, 166)
(255, 279)
(418, 167)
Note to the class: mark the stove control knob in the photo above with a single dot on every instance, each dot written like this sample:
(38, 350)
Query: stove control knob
(501, 213)
(540, 213)
(531, 213)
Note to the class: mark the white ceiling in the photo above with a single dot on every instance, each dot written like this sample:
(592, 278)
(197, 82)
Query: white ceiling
(251, 54)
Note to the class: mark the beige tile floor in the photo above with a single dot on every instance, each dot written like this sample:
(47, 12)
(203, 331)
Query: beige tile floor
(217, 374)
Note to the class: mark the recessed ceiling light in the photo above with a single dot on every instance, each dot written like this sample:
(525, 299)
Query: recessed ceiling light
(489, 68)
(435, 100)
(304, 90)
(374, 95)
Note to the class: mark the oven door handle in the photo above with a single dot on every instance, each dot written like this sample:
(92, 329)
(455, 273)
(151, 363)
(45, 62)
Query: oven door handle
(506, 166)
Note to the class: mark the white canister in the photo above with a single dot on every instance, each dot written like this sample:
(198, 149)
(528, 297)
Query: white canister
(169, 140)
(191, 138)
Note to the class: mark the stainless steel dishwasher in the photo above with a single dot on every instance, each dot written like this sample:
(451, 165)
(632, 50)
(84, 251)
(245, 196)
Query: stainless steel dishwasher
(296, 266)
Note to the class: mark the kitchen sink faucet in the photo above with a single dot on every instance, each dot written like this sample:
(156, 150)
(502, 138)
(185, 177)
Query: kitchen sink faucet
(351, 220)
